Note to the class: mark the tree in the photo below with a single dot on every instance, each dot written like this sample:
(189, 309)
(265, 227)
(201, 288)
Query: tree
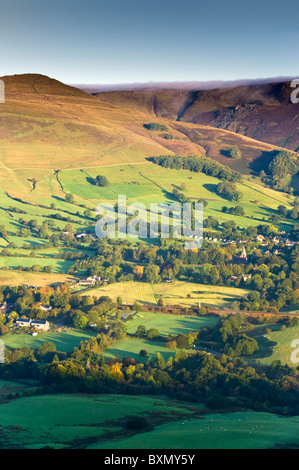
(151, 274)
(234, 153)
(80, 320)
(153, 333)
(143, 352)
(69, 198)
(101, 180)
(141, 331)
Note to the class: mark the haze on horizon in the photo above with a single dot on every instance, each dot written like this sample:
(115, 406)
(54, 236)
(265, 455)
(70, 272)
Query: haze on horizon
(135, 42)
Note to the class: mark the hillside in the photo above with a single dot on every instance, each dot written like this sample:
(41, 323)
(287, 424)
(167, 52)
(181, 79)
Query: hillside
(56, 138)
(263, 112)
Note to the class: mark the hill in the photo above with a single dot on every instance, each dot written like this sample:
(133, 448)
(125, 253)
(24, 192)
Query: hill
(263, 112)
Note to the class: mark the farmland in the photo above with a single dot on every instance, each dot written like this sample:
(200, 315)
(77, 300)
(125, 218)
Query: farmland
(276, 346)
(97, 421)
(217, 431)
(172, 294)
(64, 341)
(55, 142)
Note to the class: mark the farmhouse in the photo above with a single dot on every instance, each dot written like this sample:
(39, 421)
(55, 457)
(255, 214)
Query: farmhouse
(90, 281)
(23, 323)
(46, 308)
(40, 325)
(4, 307)
(81, 235)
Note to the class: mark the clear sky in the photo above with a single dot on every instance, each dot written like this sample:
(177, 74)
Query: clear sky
(128, 41)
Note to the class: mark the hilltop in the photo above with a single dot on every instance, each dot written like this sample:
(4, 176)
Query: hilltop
(46, 124)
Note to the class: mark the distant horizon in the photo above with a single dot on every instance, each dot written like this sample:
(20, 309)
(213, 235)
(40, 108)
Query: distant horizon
(186, 85)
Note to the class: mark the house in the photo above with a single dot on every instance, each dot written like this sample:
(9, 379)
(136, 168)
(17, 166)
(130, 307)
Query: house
(90, 281)
(246, 277)
(81, 235)
(23, 323)
(94, 279)
(3, 306)
(233, 278)
(259, 238)
(46, 308)
(40, 325)
(86, 282)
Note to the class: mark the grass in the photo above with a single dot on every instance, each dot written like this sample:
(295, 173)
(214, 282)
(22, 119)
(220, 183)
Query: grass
(58, 266)
(70, 421)
(64, 341)
(131, 347)
(16, 278)
(172, 293)
(95, 421)
(169, 324)
(243, 430)
(276, 346)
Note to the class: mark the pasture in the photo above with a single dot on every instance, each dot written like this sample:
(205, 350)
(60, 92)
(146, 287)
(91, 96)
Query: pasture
(172, 294)
(96, 422)
(64, 341)
(131, 347)
(276, 346)
(169, 324)
(74, 421)
(243, 430)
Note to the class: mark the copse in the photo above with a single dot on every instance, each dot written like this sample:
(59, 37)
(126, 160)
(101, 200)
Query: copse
(198, 165)
(234, 153)
(155, 126)
(229, 191)
(101, 180)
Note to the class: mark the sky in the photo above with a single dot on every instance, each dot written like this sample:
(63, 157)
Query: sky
(140, 41)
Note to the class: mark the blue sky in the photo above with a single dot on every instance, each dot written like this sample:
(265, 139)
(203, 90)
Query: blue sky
(129, 41)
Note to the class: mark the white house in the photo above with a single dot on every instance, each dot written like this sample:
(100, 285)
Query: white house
(23, 322)
(40, 324)
(46, 308)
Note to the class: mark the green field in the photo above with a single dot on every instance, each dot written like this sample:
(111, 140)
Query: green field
(172, 294)
(131, 347)
(246, 430)
(74, 421)
(7, 388)
(96, 421)
(169, 324)
(276, 346)
(64, 341)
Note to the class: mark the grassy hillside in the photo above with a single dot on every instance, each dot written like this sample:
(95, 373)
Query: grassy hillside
(174, 293)
(263, 112)
(55, 139)
(99, 421)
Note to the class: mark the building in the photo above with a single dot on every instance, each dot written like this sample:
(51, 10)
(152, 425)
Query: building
(46, 308)
(242, 258)
(23, 323)
(81, 235)
(40, 325)
(90, 281)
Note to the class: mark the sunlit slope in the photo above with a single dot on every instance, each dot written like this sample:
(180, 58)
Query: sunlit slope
(47, 127)
(263, 112)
